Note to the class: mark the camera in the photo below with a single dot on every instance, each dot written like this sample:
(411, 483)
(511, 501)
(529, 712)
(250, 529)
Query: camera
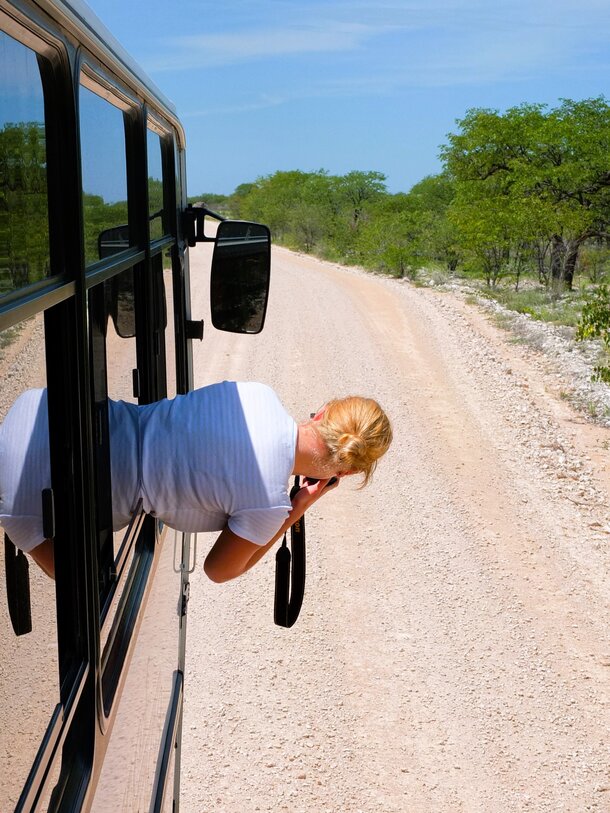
(313, 480)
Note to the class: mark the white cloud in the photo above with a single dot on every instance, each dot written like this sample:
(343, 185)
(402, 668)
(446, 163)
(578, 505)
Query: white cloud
(242, 46)
(263, 103)
(397, 43)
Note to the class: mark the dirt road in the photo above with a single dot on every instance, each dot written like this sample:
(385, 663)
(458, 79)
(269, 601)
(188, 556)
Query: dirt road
(453, 649)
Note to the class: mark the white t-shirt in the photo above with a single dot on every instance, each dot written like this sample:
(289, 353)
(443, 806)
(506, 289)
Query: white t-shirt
(25, 468)
(223, 453)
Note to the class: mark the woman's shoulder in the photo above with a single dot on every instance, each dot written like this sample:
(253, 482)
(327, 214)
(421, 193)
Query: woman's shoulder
(236, 389)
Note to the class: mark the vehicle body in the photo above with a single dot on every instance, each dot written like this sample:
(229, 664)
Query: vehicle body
(94, 304)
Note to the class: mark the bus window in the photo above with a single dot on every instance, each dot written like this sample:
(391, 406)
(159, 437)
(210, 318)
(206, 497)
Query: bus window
(29, 671)
(24, 221)
(156, 211)
(120, 363)
(170, 336)
(112, 331)
(113, 362)
(121, 348)
(158, 185)
(104, 172)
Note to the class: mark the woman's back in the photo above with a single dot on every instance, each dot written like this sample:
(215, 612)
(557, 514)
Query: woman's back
(226, 450)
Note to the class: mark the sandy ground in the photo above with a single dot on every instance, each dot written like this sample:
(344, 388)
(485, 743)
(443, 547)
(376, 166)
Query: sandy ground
(452, 653)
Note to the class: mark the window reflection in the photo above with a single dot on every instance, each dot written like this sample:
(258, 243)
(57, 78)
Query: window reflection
(24, 221)
(122, 361)
(29, 663)
(114, 358)
(155, 186)
(104, 173)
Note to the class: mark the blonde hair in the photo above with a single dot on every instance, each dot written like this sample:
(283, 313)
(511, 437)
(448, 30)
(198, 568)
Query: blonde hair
(357, 432)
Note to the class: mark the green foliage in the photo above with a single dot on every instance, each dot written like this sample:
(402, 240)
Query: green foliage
(542, 304)
(594, 260)
(225, 205)
(312, 211)
(595, 324)
(353, 219)
(211, 198)
(24, 221)
(384, 243)
(99, 216)
(155, 208)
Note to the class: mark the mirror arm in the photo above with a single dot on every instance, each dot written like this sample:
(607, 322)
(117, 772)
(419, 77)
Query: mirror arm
(193, 220)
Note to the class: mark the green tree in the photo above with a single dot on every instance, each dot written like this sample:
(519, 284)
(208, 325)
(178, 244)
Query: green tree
(549, 166)
(24, 221)
(437, 235)
(272, 199)
(354, 195)
(299, 207)
(236, 200)
(358, 189)
(388, 242)
(313, 212)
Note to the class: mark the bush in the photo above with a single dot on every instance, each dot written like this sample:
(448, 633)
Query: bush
(595, 324)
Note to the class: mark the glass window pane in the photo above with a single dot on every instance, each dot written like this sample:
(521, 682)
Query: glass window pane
(170, 337)
(114, 358)
(121, 355)
(29, 672)
(155, 186)
(104, 172)
(122, 361)
(24, 215)
(179, 155)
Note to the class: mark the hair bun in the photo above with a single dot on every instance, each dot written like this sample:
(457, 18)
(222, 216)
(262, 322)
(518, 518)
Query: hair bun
(352, 449)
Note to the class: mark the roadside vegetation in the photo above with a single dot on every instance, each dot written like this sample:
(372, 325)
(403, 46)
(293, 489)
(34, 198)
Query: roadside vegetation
(521, 211)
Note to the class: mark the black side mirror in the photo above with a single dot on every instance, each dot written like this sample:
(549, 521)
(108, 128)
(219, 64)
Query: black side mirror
(239, 283)
(119, 290)
(122, 303)
(111, 241)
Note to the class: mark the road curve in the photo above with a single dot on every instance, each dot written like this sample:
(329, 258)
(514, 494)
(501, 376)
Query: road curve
(453, 652)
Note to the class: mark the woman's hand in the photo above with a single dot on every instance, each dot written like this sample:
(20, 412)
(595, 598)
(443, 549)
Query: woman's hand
(309, 493)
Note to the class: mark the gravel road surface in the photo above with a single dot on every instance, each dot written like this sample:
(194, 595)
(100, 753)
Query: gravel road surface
(452, 653)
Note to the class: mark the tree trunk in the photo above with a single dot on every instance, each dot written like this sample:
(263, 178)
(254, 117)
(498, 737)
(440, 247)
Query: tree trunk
(450, 257)
(541, 251)
(564, 255)
(557, 252)
(570, 263)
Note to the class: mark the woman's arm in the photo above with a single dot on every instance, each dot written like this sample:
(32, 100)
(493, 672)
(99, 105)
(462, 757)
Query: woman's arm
(44, 556)
(232, 555)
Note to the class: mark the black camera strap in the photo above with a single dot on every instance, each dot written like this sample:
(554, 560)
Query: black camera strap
(290, 572)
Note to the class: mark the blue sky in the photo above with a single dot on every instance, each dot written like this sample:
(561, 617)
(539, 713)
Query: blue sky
(262, 85)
